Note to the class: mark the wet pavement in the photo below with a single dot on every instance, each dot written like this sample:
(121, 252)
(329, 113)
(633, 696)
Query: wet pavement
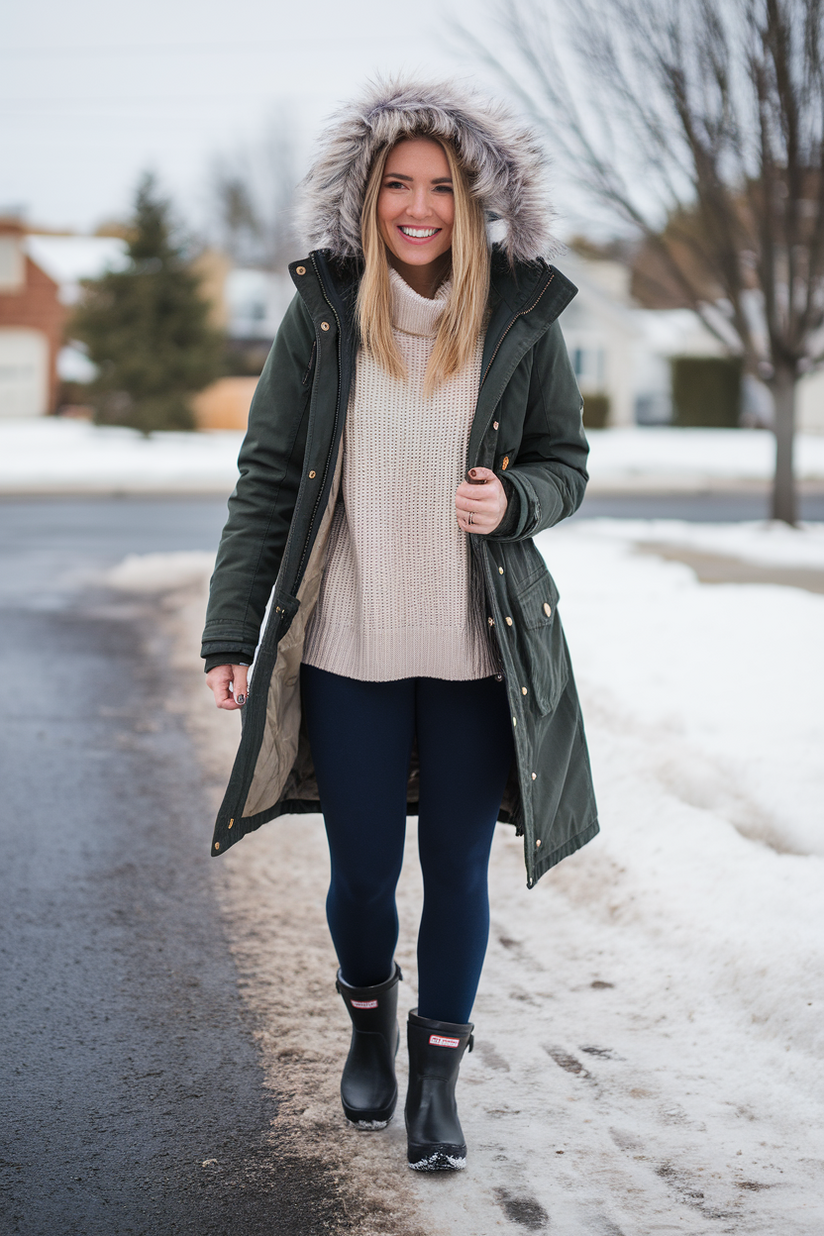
(133, 1097)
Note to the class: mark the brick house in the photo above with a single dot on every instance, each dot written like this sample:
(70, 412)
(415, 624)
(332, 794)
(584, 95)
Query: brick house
(32, 320)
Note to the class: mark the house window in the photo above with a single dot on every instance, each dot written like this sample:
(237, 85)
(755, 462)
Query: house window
(590, 367)
(11, 264)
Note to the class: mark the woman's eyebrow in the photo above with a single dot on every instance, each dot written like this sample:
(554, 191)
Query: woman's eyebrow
(438, 180)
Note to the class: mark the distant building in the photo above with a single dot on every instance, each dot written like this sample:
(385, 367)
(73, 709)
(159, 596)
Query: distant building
(39, 279)
(623, 351)
(31, 328)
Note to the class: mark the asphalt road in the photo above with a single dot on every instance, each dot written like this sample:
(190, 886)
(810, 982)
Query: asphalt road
(132, 1098)
(712, 507)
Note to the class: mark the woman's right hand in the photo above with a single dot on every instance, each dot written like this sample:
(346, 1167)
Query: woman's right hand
(228, 684)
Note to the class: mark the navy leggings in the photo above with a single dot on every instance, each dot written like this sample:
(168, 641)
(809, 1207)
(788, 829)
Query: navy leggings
(361, 735)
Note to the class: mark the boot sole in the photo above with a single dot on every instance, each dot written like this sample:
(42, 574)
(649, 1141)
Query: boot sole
(368, 1126)
(440, 1159)
(376, 1119)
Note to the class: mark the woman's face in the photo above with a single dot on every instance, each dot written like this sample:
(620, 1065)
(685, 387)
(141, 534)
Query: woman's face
(416, 205)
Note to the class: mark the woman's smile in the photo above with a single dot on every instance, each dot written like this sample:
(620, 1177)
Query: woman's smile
(418, 233)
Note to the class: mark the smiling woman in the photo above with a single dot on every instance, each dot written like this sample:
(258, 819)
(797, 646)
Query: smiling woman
(416, 422)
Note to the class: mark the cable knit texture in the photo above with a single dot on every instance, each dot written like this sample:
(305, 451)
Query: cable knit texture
(395, 596)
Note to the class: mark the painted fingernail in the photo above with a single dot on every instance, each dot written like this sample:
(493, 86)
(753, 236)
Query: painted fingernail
(241, 699)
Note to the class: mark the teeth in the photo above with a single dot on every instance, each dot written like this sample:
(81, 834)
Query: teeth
(419, 232)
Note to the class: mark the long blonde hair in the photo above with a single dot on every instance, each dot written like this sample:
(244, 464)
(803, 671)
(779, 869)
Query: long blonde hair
(463, 317)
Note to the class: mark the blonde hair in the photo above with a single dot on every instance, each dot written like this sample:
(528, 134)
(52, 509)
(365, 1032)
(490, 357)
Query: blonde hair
(464, 315)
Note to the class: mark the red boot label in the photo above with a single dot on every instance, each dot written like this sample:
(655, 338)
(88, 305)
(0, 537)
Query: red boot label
(437, 1040)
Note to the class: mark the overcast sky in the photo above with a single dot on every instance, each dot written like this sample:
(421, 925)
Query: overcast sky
(93, 92)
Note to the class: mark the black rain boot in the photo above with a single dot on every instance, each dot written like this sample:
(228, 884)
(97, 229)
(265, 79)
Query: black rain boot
(436, 1048)
(368, 1089)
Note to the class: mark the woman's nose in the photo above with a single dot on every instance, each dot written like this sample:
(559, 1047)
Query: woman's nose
(419, 206)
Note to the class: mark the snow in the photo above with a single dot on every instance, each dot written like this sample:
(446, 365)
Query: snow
(767, 543)
(160, 572)
(73, 365)
(52, 455)
(68, 259)
(663, 458)
(649, 1026)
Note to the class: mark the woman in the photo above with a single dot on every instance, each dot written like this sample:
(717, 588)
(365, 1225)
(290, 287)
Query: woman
(416, 423)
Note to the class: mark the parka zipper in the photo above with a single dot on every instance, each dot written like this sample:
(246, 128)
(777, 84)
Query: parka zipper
(487, 577)
(521, 313)
(322, 487)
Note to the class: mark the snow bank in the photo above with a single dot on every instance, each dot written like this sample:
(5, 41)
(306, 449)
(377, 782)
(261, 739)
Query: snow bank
(721, 685)
(160, 572)
(663, 458)
(53, 455)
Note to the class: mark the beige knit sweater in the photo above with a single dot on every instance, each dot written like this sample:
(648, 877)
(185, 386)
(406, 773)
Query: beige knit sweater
(395, 595)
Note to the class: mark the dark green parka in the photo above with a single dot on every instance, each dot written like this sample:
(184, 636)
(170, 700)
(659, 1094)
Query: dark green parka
(527, 427)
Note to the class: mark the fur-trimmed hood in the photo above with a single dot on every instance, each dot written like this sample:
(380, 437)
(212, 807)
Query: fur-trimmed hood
(504, 158)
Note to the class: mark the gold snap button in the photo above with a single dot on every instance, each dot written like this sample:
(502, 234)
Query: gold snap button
(504, 463)
(508, 621)
(311, 476)
(300, 270)
(491, 621)
(500, 570)
(547, 609)
(537, 843)
(217, 845)
(524, 691)
(494, 424)
(231, 822)
(324, 325)
(534, 776)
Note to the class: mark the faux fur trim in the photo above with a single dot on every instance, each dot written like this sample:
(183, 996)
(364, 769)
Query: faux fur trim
(505, 160)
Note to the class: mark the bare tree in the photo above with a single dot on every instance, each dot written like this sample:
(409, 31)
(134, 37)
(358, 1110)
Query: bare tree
(253, 198)
(700, 123)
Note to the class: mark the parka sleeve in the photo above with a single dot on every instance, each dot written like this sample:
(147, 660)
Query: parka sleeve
(261, 506)
(549, 477)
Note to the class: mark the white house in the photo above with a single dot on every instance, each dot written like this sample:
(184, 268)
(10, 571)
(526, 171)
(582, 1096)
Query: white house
(623, 351)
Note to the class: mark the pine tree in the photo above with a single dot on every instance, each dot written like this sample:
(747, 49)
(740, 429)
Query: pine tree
(147, 327)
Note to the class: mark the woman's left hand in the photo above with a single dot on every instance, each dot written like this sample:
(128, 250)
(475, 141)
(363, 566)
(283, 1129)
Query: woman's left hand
(480, 507)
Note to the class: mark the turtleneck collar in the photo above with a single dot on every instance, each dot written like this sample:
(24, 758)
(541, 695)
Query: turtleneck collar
(414, 314)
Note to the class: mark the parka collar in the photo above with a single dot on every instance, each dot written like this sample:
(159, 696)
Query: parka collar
(514, 287)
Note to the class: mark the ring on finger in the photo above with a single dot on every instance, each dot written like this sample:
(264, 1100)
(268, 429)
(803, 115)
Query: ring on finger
(470, 519)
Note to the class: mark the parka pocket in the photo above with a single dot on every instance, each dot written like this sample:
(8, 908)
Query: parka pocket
(541, 648)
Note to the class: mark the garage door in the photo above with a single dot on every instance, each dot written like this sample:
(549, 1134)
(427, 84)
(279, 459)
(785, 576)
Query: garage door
(24, 372)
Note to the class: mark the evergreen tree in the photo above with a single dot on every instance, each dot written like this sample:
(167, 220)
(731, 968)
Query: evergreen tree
(147, 327)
